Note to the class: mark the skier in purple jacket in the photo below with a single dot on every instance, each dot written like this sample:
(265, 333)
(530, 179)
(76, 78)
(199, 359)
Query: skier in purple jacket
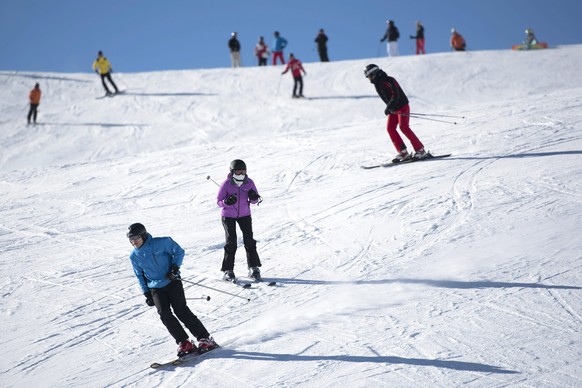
(235, 195)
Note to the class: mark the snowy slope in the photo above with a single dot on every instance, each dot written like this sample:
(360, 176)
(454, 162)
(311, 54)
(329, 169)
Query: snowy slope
(460, 271)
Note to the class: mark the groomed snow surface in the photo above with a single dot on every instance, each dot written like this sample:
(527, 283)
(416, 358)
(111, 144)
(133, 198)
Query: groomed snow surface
(464, 271)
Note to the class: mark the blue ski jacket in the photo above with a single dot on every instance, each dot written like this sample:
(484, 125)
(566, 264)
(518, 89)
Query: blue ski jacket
(279, 44)
(153, 260)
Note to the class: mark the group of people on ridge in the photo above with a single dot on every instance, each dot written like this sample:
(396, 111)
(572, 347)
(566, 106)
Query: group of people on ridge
(262, 50)
(392, 34)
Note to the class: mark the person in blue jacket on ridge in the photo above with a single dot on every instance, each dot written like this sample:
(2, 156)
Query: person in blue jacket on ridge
(279, 43)
(156, 263)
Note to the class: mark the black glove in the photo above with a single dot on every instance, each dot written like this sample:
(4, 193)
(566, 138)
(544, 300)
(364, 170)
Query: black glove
(387, 111)
(253, 196)
(149, 298)
(231, 200)
(174, 273)
(412, 37)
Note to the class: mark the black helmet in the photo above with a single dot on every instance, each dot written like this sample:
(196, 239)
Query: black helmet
(135, 230)
(237, 164)
(371, 69)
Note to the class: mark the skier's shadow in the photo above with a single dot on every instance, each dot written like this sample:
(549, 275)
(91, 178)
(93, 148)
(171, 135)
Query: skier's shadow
(448, 364)
(518, 156)
(457, 284)
(169, 94)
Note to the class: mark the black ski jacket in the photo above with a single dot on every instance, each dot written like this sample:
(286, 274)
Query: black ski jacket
(390, 91)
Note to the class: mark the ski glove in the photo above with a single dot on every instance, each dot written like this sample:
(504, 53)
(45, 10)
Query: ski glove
(174, 273)
(231, 200)
(253, 196)
(149, 298)
(387, 111)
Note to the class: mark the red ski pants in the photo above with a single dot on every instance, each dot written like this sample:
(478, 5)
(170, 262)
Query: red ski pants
(420, 46)
(278, 54)
(400, 117)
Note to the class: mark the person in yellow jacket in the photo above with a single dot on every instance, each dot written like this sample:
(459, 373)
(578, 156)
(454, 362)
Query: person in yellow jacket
(102, 67)
(34, 98)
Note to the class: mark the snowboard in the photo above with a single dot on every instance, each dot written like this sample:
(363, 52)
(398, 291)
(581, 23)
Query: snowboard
(522, 46)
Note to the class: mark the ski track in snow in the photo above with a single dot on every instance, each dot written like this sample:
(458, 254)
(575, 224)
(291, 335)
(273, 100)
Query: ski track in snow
(457, 271)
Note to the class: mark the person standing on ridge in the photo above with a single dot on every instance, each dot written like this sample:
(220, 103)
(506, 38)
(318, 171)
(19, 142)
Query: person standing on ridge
(278, 45)
(321, 40)
(235, 196)
(234, 46)
(391, 36)
(419, 38)
(530, 38)
(262, 52)
(457, 41)
(398, 111)
(34, 98)
(156, 263)
(296, 69)
(102, 66)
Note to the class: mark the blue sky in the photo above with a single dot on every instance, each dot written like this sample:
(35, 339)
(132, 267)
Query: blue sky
(147, 35)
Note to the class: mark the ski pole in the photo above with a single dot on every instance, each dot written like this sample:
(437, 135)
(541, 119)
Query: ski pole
(205, 297)
(216, 289)
(209, 178)
(435, 115)
(279, 84)
(429, 119)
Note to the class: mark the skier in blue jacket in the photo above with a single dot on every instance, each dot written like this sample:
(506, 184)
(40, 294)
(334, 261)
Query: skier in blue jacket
(156, 263)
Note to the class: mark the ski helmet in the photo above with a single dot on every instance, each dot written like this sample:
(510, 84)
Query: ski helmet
(237, 164)
(135, 230)
(371, 71)
(453, 30)
(529, 31)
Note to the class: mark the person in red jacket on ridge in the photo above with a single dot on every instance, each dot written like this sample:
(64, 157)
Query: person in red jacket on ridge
(296, 68)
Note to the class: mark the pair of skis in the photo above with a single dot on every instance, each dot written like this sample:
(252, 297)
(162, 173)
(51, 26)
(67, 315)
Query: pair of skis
(247, 285)
(412, 160)
(181, 360)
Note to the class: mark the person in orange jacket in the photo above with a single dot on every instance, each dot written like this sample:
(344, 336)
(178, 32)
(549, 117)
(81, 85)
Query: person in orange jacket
(296, 68)
(34, 98)
(102, 67)
(457, 41)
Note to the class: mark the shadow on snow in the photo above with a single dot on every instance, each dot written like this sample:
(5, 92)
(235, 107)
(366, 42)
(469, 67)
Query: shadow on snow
(432, 283)
(455, 365)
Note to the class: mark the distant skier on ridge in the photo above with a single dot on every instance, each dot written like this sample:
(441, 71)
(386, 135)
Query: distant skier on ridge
(102, 67)
(296, 68)
(34, 98)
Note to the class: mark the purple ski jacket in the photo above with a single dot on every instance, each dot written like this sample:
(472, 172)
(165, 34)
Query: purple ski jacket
(242, 206)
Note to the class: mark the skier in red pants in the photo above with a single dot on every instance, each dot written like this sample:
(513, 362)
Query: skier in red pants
(397, 110)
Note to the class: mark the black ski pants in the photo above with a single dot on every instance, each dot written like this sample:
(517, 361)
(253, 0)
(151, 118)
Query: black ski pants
(297, 84)
(173, 296)
(108, 76)
(246, 226)
(32, 112)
